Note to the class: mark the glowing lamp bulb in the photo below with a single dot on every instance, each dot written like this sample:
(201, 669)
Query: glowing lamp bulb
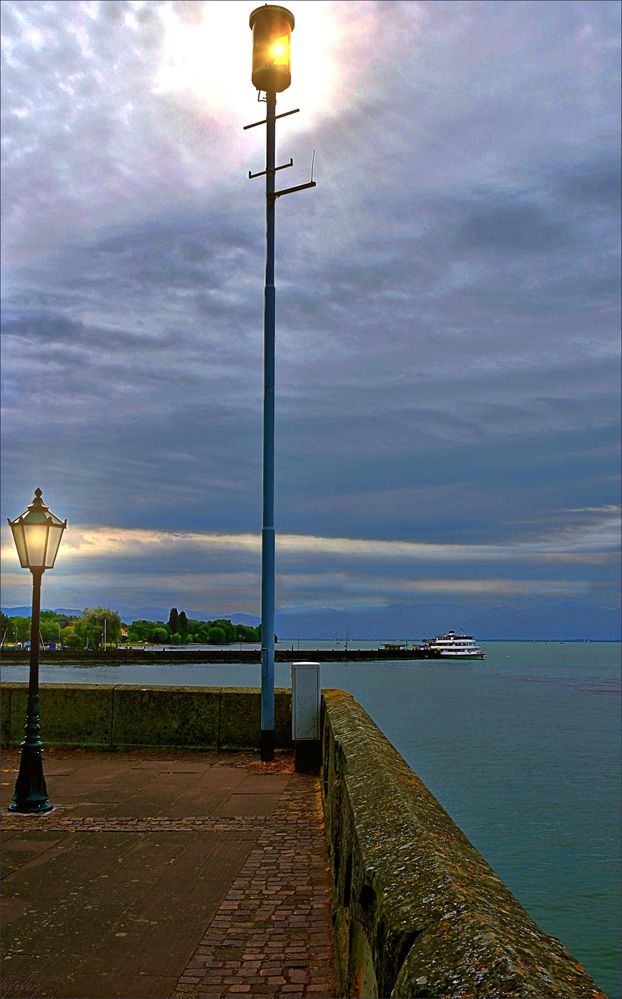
(279, 51)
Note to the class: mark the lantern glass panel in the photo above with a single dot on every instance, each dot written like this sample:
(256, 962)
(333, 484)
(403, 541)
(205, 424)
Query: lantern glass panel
(36, 543)
(54, 538)
(20, 543)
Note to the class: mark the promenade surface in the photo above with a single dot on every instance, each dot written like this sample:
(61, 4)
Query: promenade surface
(166, 874)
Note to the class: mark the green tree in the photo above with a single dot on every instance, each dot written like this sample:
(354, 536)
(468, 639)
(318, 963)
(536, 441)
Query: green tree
(91, 626)
(151, 632)
(182, 622)
(216, 635)
(21, 628)
(140, 631)
(6, 627)
(49, 626)
(196, 630)
(227, 627)
(70, 638)
(173, 621)
(246, 633)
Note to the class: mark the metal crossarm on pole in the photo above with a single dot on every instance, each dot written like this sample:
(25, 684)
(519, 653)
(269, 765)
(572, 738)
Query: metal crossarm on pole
(264, 121)
(290, 190)
(251, 176)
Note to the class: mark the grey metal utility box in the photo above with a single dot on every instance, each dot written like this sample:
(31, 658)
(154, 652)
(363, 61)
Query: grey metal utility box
(306, 699)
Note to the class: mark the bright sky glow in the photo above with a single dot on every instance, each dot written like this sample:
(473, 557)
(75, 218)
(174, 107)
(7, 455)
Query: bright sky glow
(209, 57)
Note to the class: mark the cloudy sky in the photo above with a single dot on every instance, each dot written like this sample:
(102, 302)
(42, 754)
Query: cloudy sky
(447, 309)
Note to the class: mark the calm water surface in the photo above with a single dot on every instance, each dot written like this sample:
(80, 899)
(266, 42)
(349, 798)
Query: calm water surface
(522, 749)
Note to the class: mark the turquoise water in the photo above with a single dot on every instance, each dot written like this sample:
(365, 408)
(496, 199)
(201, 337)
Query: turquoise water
(522, 749)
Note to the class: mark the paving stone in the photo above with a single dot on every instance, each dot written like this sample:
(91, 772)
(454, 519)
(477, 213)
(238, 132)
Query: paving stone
(293, 951)
(174, 874)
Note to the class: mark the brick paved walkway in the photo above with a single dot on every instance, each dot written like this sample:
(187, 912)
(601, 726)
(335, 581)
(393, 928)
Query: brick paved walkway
(186, 875)
(269, 935)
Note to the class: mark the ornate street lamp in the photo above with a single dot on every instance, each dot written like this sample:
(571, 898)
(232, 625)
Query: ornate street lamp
(272, 27)
(37, 534)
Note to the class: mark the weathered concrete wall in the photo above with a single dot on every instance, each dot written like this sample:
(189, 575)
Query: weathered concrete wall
(418, 912)
(124, 717)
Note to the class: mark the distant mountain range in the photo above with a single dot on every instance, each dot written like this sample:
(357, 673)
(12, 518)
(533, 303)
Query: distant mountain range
(25, 611)
(532, 621)
(406, 622)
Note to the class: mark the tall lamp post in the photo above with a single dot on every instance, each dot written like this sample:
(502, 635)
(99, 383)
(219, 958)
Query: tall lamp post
(37, 534)
(272, 27)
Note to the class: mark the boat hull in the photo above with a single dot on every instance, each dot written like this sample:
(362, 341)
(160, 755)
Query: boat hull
(458, 655)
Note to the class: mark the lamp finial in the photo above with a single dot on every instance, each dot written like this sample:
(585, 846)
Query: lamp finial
(37, 503)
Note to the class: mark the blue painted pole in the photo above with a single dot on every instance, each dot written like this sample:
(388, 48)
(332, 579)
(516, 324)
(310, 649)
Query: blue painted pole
(268, 533)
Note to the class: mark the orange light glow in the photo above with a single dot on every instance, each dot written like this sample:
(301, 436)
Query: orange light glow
(279, 51)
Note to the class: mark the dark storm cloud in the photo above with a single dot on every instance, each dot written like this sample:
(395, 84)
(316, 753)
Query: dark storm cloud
(518, 228)
(591, 183)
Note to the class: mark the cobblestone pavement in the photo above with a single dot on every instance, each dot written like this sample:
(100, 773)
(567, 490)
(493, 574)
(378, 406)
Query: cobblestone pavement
(270, 935)
(128, 889)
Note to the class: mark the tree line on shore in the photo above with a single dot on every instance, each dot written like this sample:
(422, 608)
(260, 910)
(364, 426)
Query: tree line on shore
(100, 627)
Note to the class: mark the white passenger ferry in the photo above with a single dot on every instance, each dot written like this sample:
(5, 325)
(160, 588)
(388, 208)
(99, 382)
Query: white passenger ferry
(452, 646)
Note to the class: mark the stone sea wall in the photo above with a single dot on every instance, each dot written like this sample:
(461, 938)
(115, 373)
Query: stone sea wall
(418, 912)
(101, 716)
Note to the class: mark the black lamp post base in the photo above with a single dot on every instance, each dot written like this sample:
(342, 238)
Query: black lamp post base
(31, 808)
(266, 745)
(30, 796)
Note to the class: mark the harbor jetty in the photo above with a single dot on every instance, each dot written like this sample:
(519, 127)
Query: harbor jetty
(352, 881)
(229, 655)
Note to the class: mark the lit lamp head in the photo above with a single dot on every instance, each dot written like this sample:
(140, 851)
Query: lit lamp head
(37, 534)
(272, 28)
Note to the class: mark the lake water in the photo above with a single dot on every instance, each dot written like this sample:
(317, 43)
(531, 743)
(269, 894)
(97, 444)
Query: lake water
(522, 749)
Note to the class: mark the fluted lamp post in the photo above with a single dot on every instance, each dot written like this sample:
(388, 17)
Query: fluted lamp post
(37, 534)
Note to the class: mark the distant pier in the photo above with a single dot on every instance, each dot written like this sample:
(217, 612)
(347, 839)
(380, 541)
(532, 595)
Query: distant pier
(238, 655)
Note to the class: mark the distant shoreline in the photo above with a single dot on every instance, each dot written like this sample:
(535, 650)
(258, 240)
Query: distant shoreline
(164, 654)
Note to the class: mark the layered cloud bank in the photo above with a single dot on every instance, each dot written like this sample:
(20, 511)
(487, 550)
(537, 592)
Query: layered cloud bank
(220, 573)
